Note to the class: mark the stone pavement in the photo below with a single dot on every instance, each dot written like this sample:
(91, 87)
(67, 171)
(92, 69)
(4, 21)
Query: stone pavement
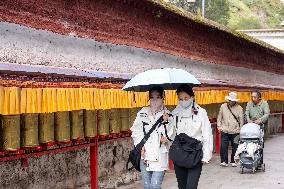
(213, 176)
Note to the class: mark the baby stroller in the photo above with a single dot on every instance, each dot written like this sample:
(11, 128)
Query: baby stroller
(252, 141)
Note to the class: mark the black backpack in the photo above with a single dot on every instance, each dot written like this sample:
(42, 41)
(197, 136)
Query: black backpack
(135, 154)
(186, 151)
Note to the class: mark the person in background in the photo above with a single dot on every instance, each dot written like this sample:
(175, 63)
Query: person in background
(154, 155)
(230, 120)
(257, 111)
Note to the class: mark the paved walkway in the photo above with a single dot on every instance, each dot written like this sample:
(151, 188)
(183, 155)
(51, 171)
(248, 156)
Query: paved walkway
(213, 176)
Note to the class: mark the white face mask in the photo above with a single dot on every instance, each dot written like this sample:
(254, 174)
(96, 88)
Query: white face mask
(186, 103)
(156, 104)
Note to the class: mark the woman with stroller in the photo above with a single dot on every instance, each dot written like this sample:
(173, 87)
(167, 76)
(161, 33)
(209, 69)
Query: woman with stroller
(154, 155)
(192, 120)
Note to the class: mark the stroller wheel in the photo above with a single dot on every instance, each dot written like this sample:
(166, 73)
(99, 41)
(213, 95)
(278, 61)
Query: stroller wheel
(263, 167)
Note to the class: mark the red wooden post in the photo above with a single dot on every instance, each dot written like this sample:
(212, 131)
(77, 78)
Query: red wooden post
(25, 162)
(282, 122)
(217, 147)
(94, 165)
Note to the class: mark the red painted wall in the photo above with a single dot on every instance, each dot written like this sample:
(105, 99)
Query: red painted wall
(142, 24)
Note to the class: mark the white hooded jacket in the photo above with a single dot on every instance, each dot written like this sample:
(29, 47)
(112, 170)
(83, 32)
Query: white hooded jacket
(195, 126)
(156, 154)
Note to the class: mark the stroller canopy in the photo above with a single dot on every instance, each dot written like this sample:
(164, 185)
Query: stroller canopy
(250, 130)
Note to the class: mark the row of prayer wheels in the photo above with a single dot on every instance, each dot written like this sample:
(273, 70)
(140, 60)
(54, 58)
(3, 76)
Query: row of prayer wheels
(32, 130)
(276, 106)
(213, 109)
(115, 121)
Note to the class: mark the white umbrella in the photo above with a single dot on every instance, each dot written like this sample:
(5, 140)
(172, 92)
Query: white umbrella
(168, 78)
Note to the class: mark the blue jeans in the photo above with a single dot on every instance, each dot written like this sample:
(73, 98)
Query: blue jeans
(151, 179)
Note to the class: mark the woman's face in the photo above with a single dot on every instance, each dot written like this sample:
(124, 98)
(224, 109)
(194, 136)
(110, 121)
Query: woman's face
(183, 96)
(156, 100)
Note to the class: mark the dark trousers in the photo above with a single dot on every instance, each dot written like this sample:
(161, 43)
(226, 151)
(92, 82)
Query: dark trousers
(225, 139)
(188, 178)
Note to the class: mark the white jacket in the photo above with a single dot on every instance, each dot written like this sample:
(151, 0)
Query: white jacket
(195, 126)
(156, 154)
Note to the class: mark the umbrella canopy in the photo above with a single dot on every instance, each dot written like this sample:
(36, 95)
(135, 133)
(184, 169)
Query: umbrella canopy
(168, 78)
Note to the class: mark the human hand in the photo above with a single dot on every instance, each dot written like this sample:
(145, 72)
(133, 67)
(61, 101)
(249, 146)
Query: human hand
(166, 117)
(163, 140)
(258, 122)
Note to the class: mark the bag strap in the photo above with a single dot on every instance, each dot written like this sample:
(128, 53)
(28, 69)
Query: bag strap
(147, 135)
(166, 132)
(233, 114)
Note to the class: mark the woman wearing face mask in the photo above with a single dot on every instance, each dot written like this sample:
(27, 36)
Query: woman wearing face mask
(154, 160)
(192, 120)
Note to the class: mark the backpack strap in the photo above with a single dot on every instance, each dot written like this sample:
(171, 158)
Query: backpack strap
(147, 135)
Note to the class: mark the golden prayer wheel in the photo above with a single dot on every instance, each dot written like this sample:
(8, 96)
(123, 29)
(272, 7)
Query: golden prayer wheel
(282, 106)
(133, 113)
(271, 105)
(212, 110)
(216, 109)
(29, 130)
(276, 106)
(124, 117)
(46, 128)
(279, 107)
(77, 124)
(90, 123)
(114, 121)
(62, 127)
(10, 132)
(208, 110)
(103, 119)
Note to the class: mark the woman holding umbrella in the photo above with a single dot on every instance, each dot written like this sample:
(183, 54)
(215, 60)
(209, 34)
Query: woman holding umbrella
(154, 160)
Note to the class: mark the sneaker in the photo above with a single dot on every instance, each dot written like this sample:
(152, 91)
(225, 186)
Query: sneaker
(223, 164)
(234, 164)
